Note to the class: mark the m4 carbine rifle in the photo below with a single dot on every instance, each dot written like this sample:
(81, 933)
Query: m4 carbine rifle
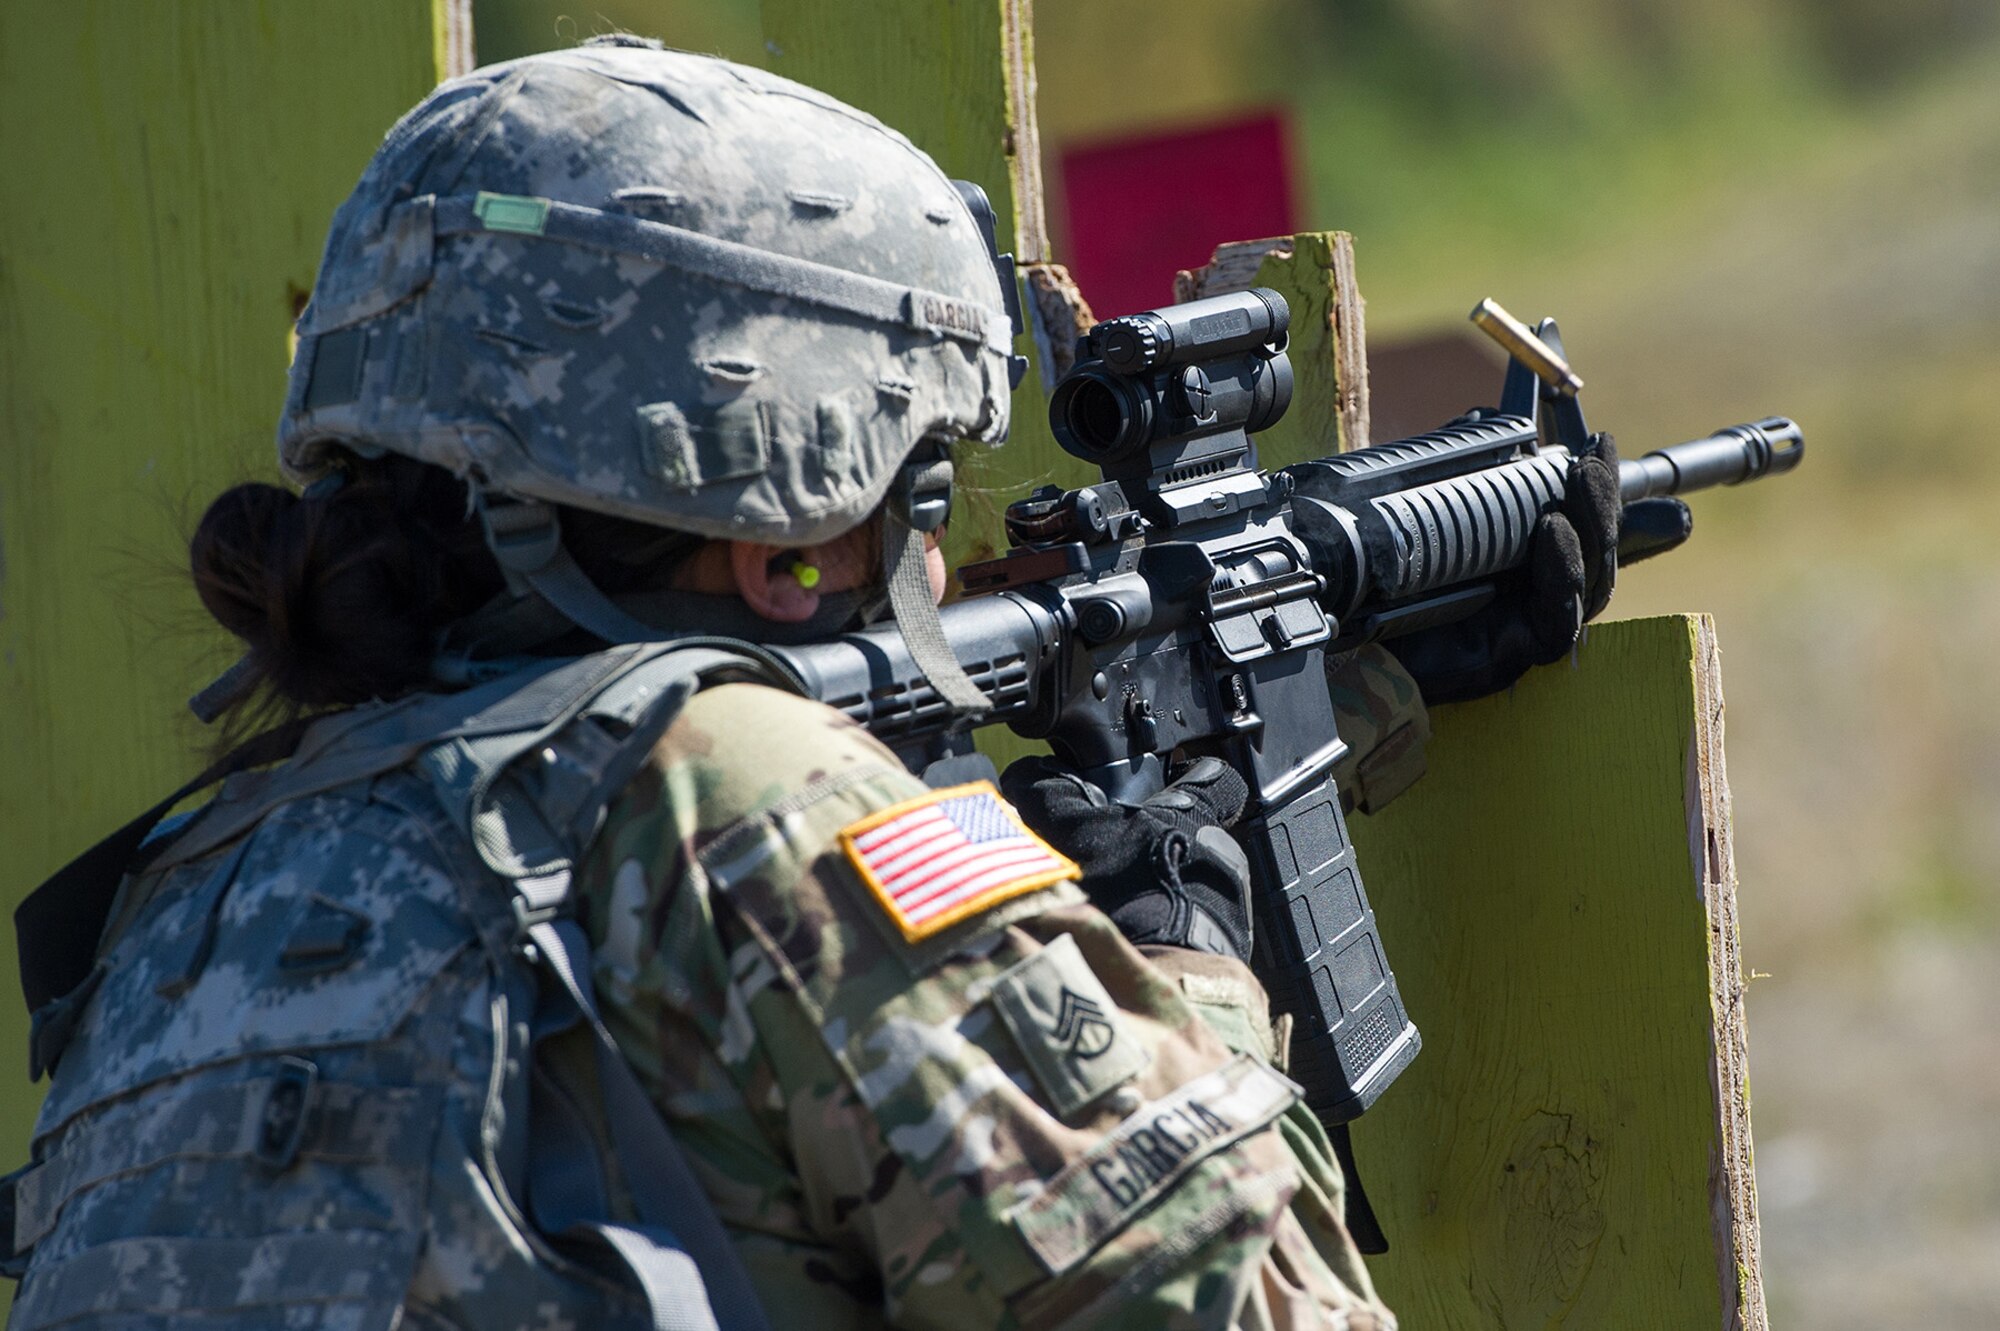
(1188, 604)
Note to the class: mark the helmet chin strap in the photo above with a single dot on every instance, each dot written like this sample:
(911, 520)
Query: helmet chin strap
(919, 503)
(526, 538)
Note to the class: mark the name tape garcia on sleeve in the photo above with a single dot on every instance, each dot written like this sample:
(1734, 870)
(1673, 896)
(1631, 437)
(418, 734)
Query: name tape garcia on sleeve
(1139, 1161)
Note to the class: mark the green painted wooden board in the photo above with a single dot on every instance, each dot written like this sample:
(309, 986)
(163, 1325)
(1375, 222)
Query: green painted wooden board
(1327, 340)
(1328, 348)
(170, 171)
(1571, 1148)
(937, 72)
(955, 77)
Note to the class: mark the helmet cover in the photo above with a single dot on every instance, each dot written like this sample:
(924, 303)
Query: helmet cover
(653, 284)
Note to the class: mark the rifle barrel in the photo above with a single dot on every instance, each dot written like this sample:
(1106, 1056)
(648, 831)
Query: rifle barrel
(1727, 457)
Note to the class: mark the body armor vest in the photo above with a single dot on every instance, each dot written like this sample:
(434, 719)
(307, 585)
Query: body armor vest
(304, 1082)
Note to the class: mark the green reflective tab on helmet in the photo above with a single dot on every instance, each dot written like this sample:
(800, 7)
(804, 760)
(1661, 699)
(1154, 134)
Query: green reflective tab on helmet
(511, 212)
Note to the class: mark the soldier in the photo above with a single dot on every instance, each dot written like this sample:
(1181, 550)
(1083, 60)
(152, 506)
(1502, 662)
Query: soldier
(612, 348)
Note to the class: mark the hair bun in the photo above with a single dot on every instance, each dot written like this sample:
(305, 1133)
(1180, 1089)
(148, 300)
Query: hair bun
(233, 551)
(341, 593)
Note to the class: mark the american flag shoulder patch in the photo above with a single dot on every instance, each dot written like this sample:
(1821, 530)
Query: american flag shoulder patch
(948, 855)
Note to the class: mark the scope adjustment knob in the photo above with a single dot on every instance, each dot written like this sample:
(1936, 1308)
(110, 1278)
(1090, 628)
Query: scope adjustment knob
(1128, 345)
(1193, 394)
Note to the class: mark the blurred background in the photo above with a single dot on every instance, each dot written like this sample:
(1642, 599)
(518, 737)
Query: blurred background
(1735, 208)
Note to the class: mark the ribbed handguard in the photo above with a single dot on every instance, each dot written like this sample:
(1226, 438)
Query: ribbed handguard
(1458, 530)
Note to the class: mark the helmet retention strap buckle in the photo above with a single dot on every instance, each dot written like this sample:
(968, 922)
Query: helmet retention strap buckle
(525, 536)
(920, 496)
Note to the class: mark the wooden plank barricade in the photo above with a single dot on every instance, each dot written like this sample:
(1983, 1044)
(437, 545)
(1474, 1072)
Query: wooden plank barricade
(1572, 1146)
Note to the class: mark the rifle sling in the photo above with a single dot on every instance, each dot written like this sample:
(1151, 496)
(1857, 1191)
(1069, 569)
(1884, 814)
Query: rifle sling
(1362, 1224)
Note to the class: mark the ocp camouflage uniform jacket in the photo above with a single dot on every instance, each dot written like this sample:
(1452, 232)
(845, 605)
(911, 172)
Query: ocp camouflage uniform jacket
(1018, 1121)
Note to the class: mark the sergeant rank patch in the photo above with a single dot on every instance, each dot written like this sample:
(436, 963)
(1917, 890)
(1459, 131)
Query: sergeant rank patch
(1067, 1026)
(948, 855)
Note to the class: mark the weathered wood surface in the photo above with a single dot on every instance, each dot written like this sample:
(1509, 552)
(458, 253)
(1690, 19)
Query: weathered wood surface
(170, 172)
(1571, 1148)
(1733, 1185)
(1329, 335)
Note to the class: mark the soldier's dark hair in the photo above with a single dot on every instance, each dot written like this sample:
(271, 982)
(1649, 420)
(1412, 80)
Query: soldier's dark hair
(340, 595)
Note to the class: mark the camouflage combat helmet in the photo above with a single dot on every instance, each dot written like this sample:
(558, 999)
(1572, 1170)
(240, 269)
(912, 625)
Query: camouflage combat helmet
(665, 287)
(653, 284)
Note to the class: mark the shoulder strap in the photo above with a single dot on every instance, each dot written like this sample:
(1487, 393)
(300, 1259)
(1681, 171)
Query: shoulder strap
(525, 833)
(680, 1256)
(57, 929)
(531, 832)
(60, 926)
(368, 741)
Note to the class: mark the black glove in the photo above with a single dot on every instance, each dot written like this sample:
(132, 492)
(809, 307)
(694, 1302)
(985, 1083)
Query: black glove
(1540, 609)
(1164, 870)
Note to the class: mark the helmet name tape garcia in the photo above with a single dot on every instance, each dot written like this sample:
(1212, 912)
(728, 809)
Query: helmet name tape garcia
(656, 285)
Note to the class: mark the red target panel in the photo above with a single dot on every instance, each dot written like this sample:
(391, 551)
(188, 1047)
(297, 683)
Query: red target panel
(1139, 208)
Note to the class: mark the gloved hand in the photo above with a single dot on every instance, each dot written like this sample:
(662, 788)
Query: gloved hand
(1540, 609)
(1164, 870)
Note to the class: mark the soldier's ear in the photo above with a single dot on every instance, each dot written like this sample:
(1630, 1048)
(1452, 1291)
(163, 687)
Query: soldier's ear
(766, 584)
